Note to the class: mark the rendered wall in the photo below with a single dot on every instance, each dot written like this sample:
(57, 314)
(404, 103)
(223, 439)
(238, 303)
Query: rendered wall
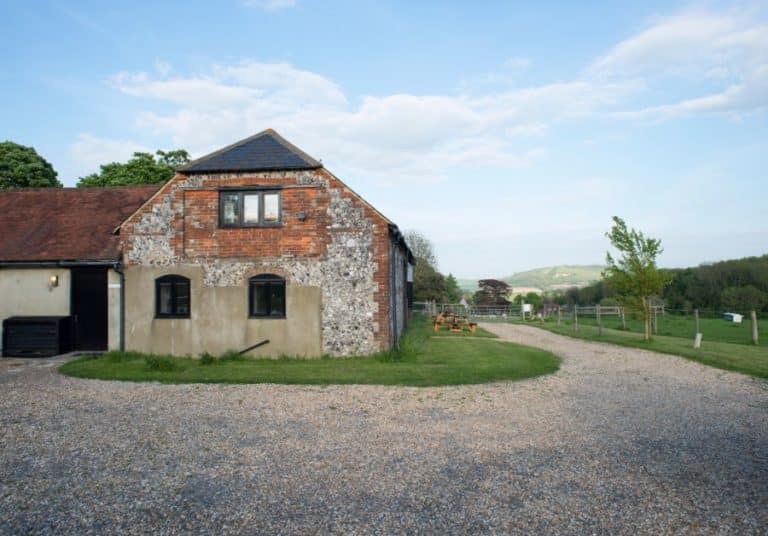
(219, 318)
(340, 247)
(26, 292)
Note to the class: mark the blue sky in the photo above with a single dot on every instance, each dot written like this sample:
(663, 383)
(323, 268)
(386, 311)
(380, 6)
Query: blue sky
(507, 134)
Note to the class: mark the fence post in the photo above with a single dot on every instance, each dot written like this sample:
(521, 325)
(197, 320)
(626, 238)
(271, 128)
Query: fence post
(575, 318)
(753, 314)
(697, 335)
(599, 322)
(623, 321)
(655, 320)
(558, 315)
(696, 319)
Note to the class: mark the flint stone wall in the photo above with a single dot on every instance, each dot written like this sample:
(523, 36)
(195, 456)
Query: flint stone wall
(344, 271)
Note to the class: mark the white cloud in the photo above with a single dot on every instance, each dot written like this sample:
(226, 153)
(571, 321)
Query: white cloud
(557, 101)
(421, 137)
(700, 49)
(197, 92)
(670, 44)
(270, 5)
(281, 82)
(392, 137)
(89, 152)
(734, 100)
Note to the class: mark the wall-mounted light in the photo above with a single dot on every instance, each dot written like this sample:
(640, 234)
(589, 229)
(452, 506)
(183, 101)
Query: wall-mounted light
(301, 216)
(53, 281)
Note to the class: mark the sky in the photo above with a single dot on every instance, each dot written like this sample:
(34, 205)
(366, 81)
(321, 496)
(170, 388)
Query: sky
(508, 133)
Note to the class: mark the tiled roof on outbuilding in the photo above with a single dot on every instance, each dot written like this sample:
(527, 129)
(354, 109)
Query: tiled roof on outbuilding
(65, 224)
(265, 151)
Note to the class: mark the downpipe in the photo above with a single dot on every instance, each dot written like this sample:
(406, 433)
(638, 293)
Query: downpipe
(119, 270)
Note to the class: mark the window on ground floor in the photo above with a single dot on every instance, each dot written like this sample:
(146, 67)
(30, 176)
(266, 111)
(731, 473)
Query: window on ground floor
(172, 297)
(266, 296)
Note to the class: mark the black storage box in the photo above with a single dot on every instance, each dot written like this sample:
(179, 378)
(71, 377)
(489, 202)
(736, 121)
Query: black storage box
(37, 336)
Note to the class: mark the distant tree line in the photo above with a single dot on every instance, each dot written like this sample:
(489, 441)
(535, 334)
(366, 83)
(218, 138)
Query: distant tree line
(740, 285)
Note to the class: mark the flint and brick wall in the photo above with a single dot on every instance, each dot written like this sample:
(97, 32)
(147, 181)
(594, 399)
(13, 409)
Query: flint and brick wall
(342, 247)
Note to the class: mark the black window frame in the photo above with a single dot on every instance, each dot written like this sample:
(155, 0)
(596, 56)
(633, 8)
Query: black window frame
(174, 280)
(267, 281)
(241, 208)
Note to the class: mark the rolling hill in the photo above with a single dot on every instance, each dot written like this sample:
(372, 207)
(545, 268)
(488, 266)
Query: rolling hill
(548, 278)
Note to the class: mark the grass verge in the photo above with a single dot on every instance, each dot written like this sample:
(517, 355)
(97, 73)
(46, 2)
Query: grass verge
(421, 361)
(750, 360)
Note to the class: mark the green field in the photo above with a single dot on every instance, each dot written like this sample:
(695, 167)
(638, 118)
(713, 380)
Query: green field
(422, 361)
(724, 345)
(713, 329)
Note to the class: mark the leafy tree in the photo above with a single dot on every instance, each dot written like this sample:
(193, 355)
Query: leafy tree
(143, 168)
(452, 290)
(677, 293)
(421, 247)
(635, 275)
(556, 297)
(428, 283)
(22, 167)
(534, 299)
(572, 296)
(492, 292)
(743, 299)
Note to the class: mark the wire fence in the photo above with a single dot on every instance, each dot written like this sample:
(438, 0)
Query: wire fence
(714, 325)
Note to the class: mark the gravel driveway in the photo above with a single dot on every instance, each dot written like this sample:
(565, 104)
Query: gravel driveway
(618, 441)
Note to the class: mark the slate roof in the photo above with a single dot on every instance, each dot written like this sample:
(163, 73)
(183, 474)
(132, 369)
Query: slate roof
(265, 151)
(65, 224)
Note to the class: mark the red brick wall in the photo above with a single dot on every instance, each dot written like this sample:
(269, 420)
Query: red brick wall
(202, 236)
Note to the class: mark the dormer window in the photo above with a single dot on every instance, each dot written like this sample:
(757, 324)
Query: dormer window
(250, 208)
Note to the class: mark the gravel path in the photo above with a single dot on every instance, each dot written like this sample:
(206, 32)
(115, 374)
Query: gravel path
(618, 441)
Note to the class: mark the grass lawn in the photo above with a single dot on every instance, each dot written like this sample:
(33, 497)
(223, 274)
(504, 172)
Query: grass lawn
(747, 359)
(422, 361)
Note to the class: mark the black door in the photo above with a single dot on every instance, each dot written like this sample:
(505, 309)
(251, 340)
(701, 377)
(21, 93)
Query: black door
(89, 308)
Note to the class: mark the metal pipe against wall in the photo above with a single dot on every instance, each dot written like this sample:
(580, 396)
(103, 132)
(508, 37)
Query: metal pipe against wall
(119, 270)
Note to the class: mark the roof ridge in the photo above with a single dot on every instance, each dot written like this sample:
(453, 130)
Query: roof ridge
(217, 152)
(269, 132)
(295, 150)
